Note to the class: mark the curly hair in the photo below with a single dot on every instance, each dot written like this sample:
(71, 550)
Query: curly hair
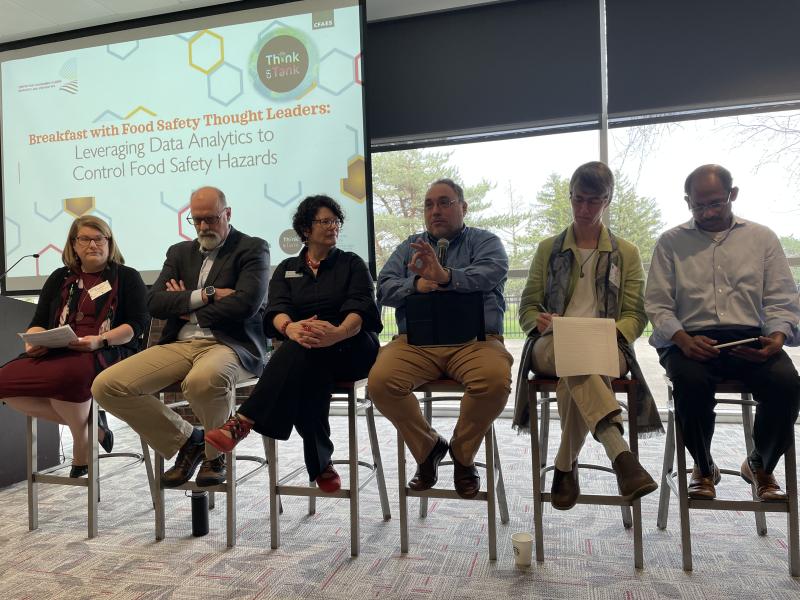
(307, 211)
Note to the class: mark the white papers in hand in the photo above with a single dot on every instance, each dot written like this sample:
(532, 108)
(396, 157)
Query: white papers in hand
(52, 338)
(585, 346)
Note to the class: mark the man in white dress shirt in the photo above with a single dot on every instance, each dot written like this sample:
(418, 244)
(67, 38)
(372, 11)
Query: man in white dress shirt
(717, 279)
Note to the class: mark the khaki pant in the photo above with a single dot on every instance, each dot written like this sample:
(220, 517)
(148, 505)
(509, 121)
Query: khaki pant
(208, 372)
(583, 401)
(484, 368)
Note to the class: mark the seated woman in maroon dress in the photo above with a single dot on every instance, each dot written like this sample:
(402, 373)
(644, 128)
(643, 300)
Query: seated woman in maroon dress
(104, 303)
(322, 303)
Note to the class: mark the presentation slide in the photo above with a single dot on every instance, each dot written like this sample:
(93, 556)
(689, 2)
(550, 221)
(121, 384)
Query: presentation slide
(265, 104)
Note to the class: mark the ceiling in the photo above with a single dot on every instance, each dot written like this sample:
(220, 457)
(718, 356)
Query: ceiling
(21, 19)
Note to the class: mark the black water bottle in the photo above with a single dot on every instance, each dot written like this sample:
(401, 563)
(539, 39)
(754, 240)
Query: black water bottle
(199, 513)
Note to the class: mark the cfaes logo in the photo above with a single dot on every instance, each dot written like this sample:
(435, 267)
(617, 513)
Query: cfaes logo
(284, 65)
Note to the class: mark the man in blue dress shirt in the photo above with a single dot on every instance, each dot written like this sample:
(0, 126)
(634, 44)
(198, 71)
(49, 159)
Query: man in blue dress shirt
(476, 262)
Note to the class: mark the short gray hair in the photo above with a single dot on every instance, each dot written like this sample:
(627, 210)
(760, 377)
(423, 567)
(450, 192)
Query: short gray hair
(595, 177)
(223, 203)
(453, 186)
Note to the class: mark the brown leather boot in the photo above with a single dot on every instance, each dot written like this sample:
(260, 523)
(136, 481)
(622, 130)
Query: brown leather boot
(566, 488)
(634, 482)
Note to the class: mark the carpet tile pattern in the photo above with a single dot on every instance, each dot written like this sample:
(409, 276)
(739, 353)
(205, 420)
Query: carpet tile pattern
(588, 554)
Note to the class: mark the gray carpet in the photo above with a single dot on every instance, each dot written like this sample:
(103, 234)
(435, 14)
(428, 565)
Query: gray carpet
(588, 553)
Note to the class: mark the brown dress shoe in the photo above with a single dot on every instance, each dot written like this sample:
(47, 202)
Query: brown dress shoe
(189, 456)
(566, 488)
(701, 487)
(428, 471)
(466, 479)
(212, 472)
(633, 481)
(767, 488)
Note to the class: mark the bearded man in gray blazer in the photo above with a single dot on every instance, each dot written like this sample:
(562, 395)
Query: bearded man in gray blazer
(212, 292)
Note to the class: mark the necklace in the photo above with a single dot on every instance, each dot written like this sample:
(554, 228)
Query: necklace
(79, 315)
(591, 254)
(313, 264)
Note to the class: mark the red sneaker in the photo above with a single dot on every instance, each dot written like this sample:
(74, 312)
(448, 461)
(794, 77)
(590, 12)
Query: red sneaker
(329, 480)
(231, 433)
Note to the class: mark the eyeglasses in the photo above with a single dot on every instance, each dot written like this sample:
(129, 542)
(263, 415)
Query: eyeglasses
(210, 221)
(592, 202)
(329, 223)
(699, 210)
(85, 240)
(441, 203)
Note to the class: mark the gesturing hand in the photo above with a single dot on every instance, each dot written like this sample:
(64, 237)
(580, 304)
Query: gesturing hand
(425, 264)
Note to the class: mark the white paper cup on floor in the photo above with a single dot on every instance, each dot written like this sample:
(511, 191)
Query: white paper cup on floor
(522, 543)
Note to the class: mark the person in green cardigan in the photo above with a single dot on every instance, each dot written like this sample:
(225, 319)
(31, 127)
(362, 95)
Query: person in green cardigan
(587, 271)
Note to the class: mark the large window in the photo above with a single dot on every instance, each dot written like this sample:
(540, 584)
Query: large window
(519, 189)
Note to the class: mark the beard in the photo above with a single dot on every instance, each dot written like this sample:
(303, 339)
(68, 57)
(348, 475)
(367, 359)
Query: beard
(209, 240)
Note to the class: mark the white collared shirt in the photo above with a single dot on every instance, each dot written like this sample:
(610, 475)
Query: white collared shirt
(740, 280)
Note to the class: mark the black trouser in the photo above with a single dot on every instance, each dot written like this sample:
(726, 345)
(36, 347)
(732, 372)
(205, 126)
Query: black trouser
(295, 391)
(774, 383)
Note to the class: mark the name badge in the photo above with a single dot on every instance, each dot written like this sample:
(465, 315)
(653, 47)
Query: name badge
(613, 275)
(99, 290)
(293, 274)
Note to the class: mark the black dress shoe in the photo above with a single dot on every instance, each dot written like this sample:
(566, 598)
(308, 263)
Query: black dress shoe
(189, 456)
(566, 488)
(108, 436)
(466, 479)
(78, 471)
(428, 471)
(212, 472)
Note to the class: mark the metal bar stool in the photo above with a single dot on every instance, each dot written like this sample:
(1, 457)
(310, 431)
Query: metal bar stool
(231, 481)
(675, 481)
(91, 482)
(539, 390)
(494, 473)
(228, 487)
(344, 391)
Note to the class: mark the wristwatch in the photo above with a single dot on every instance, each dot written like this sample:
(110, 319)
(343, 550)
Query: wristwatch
(209, 291)
(105, 342)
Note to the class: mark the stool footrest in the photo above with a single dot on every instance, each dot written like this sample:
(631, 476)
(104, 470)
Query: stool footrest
(297, 490)
(444, 494)
(46, 475)
(596, 499)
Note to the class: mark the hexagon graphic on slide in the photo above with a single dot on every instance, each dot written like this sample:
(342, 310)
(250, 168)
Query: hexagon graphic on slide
(12, 225)
(51, 256)
(122, 50)
(206, 51)
(355, 185)
(357, 68)
(79, 206)
(182, 222)
(335, 72)
(225, 84)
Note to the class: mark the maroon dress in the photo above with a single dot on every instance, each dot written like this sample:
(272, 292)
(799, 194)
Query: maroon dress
(62, 373)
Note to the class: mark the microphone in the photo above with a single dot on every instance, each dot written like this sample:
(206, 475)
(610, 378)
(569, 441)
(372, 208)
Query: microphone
(8, 270)
(441, 250)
